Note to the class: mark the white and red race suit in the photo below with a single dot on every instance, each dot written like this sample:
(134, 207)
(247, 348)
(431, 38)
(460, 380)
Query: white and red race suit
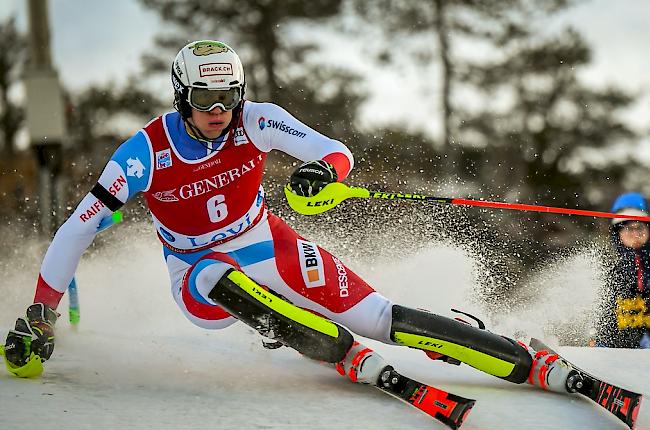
(207, 205)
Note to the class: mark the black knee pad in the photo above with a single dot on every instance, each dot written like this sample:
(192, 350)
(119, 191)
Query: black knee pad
(311, 335)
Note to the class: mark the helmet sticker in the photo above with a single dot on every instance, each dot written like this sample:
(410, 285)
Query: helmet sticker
(178, 69)
(177, 85)
(212, 69)
(207, 47)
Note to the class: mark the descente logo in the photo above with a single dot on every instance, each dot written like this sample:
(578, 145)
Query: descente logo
(279, 125)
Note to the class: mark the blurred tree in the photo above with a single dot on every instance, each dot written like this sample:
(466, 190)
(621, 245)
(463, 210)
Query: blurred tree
(538, 135)
(552, 140)
(12, 57)
(413, 26)
(17, 169)
(395, 160)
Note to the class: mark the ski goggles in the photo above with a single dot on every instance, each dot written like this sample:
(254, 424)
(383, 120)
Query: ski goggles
(205, 100)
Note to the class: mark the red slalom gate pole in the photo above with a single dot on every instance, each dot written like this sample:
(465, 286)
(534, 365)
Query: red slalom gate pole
(504, 205)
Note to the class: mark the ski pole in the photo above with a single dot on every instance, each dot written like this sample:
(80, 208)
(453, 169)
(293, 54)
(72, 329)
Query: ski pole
(73, 303)
(74, 313)
(335, 193)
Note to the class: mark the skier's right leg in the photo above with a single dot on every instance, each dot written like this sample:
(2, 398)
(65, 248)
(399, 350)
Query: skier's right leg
(312, 335)
(214, 291)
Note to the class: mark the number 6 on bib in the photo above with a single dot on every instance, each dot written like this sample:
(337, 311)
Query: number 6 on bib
(217, 208)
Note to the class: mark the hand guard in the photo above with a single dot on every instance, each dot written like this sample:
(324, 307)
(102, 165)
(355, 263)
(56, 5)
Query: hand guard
(33, 334)
(311, 177)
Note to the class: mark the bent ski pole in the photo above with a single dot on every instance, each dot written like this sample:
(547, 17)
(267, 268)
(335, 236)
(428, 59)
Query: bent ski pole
(335, 193)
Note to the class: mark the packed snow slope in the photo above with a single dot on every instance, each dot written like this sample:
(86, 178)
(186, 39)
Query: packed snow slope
(136, 363)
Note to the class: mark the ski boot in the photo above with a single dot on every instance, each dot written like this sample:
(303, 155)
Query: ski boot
(551, 372)
(362, 364)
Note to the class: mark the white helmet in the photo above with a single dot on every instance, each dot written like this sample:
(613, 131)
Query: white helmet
(207, 74)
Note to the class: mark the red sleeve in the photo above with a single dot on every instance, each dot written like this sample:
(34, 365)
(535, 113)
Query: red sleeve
(46, 294)
(341, 164)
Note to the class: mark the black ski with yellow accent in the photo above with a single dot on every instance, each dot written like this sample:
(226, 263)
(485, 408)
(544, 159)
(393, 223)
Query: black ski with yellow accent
(449, 409)
(621, 403)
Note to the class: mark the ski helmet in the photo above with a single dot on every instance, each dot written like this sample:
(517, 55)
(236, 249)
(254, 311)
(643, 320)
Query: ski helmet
(207, 74)
(630, 204)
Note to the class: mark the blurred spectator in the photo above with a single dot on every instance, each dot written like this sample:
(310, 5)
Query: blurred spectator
(625, 318)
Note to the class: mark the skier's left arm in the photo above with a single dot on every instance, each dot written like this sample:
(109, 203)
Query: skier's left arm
(326, 160)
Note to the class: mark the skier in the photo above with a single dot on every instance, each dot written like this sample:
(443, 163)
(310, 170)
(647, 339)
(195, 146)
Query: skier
(625, 319)
(229, 258)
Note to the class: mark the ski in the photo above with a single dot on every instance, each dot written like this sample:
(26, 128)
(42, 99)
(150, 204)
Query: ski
(621, 403)
(449, 409)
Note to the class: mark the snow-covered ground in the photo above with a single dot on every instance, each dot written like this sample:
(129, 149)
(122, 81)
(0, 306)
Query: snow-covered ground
(136, 363)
